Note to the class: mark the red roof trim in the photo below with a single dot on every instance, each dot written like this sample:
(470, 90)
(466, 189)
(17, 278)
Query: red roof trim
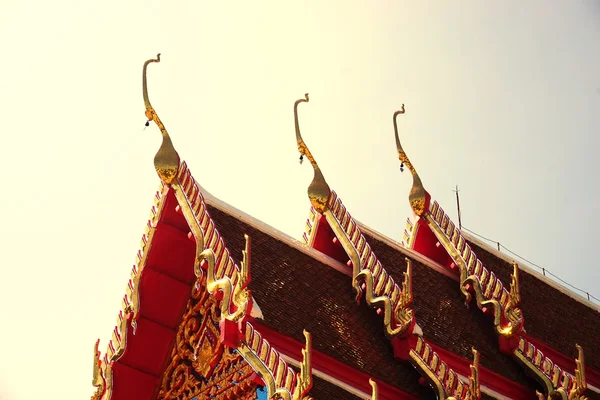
(487, 378)
(565, 362)
(331, 366)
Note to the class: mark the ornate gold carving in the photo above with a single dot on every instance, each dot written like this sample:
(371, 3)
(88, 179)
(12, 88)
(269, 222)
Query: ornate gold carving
(304, 381)
(474, 392)
(97, 378)
(512, 314)
(557, 387)
(396, 320)
(417, 197)
(318, 190)
(236, 295)
(200, 365)
(450, 238)
(166, 161)
(442, 379)
(272, 369)
(580, 384)
(374, 395)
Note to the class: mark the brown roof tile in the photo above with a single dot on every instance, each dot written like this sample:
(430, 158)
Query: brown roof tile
(441, 313)
(550, 315)
(296, 292)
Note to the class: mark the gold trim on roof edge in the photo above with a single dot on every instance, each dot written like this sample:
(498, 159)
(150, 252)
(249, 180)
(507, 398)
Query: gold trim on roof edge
(556, 382)
(485, 296)
(444, 381)
(417, 197)
(489, 291)
(278, 378)
(257, 351)
(318, 190)
(381, 290)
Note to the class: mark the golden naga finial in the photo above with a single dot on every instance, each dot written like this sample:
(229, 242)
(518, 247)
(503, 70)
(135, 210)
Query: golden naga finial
(404, 315)
(474, 392)
(166, 161)
(417, 196)
(514, 295)
(512, 312)
(318, 190)
(374, 395)
(580, 385)
(237, 295)
(305, 376)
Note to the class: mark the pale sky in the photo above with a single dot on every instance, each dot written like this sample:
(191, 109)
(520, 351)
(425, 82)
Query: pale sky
(502, 98)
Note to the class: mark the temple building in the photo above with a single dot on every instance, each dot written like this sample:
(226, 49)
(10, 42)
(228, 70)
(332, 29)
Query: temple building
(223, 306)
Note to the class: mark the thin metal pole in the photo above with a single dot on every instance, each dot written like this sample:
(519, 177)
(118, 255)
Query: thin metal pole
(458, 207)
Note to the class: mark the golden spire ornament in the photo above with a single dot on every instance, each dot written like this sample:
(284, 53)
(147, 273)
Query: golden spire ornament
(166, 160)
(318, 190)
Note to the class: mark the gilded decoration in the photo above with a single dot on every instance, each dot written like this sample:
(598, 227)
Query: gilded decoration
(166, 161)
(374, 395)
(201, 367)
(318, 190)
(556, 382)
(445, 382)
(368, 274)
(488, 290)
(225, 282)
(490, 294)
(417, 196)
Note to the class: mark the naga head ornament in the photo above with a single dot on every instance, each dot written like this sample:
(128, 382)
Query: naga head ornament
(166, 160)
(418, 197)
(318, 190)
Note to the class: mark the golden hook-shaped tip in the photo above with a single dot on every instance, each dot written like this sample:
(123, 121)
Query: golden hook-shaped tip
(318, 190)
(145, 86)
(374, 394)
(417, 196)
(166, 161)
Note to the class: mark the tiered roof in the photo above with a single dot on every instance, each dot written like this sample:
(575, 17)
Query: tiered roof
(559, 378)
(196, 324)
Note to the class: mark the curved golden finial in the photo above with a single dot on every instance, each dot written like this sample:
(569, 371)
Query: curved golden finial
(417, 196)
(166, 160)
(318, 190)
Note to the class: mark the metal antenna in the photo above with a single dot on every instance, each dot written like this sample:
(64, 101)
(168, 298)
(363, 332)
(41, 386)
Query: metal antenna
(458, 208)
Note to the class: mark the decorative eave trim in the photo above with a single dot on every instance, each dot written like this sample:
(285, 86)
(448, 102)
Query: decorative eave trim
(330, 369)
(102, 372)
(275, 233)
(228, 280)
(224, 280)
(489, 291)
(443, 379)
(369, 277)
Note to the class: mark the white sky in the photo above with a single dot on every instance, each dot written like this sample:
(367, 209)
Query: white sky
(502, 99)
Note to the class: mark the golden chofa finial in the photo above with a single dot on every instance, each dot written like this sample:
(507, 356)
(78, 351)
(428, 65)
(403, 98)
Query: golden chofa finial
(318, 190)
(418, 196)
(166, 161)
